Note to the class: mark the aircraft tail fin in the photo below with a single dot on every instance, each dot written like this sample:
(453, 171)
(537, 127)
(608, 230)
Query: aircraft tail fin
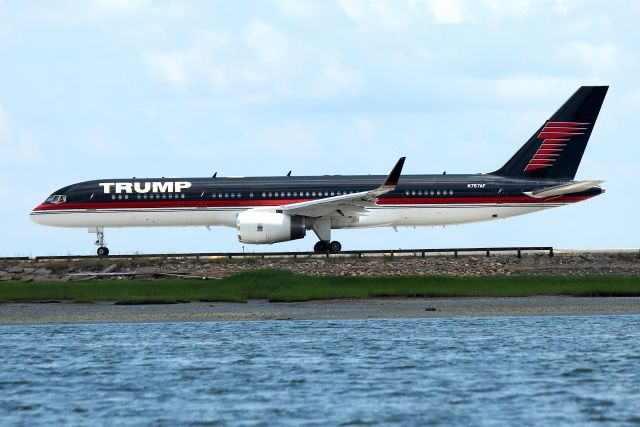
(555, 150)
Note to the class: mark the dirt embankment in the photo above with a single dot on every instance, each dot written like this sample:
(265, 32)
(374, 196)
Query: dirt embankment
(495, 265)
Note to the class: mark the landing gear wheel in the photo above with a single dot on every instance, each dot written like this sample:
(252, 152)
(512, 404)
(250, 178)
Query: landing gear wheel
(335, 246)
(103, 251)
(321, 246)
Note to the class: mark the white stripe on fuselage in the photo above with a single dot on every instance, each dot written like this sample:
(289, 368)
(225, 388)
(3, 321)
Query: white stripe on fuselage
(388, 215)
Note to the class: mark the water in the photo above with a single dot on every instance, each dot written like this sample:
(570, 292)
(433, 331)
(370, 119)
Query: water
(452, 371)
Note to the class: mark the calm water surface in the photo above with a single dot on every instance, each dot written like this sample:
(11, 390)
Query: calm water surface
(456, 371)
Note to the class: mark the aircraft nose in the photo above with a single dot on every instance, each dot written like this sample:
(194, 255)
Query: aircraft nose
(38, 214)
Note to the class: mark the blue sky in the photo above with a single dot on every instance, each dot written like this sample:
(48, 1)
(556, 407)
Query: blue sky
(99, 89)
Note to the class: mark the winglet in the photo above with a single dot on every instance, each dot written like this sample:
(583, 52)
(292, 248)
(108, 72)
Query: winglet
(394, 175)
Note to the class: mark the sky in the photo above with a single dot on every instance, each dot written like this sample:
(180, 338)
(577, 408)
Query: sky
(114, 89)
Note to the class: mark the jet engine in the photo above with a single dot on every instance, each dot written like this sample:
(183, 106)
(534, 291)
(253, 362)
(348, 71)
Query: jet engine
(269, 227)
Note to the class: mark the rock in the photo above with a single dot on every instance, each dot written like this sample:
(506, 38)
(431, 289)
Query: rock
(26, 278)
(146, 270)
(5, 276)
(15, 269)
(42, 272)
(112, 268)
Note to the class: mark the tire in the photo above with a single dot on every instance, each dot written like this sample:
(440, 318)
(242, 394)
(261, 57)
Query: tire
(335, 246)
(320, 246)
(103, 251)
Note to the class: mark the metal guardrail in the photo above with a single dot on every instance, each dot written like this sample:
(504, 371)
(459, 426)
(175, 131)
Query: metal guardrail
(518, 250)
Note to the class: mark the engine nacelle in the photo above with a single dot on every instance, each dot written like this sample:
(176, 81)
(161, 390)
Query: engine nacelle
(269, 227)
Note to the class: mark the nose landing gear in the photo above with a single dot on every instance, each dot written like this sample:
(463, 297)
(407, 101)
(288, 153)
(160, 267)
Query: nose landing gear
(103, 250)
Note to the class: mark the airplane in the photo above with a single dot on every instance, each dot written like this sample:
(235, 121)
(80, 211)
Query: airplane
(267, 210)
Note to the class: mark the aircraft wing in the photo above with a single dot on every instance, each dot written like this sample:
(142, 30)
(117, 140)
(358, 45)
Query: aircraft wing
(559, 190)
(354, 204)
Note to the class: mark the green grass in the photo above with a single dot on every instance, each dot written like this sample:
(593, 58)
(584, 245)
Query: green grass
(277, 285)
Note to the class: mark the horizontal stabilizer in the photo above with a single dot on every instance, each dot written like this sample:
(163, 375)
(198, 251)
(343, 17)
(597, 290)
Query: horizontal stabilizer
(559, 190)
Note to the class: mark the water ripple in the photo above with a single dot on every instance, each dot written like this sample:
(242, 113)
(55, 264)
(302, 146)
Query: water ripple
(569, 370)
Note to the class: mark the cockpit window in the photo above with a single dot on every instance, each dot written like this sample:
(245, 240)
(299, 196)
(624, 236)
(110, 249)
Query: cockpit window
(57, 199)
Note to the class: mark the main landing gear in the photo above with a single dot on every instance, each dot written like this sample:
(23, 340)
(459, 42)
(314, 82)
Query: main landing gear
(326, 246)
(322, 228)
(103, 250)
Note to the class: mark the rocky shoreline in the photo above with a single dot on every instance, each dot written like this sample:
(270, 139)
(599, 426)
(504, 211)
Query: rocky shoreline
(570, 264)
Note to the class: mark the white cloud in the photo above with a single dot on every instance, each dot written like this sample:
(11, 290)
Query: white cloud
(170, 66)
(122, 5)
(271, 47)
(100, 11)
(298, 9)
(259, 63)
(182, 67)
(564, 7)
(388, 14)
(335, 80)
(447, 11)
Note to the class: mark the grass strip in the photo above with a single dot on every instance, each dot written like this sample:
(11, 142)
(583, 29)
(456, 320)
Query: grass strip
(278, 285)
